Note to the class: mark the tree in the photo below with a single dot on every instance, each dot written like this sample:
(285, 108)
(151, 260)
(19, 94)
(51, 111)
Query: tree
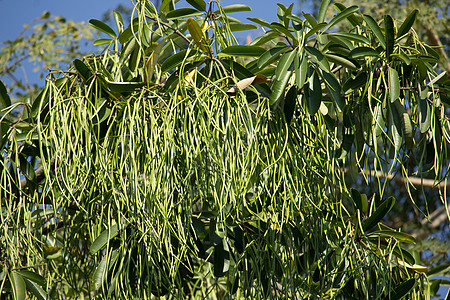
(179, 163)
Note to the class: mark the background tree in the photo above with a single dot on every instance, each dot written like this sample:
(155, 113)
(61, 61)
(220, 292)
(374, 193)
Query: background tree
(179, 163)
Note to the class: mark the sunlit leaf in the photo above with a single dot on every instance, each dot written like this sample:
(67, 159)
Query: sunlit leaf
(197, 4)
(341, 16)
(363, 52)
(182, 13)
(5, 101)
(323, 10)
(244, 50)
(99, 25)
(394, 85)
(375, 29)
(104, 238)
(100, 42)
(18, 286)
(319, 58)
(235, 8)
(399, 236)
(197, 34)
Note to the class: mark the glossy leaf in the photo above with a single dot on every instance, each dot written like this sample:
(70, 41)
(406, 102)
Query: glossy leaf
(5, 101)
(313, 93)
(18, 286)
(323, 10)
(403, 289)
(35, 289)
(379, 213)
(176, 60)
(182, 13)
(221, 259)
(315, 29)
(335, 89)
(259, 21)
(408, 23)
(271, 55)
(355, 83)
(394, 85)
(197, 34)
(104, 237)
(342, 61)
(128, 33)
(351, 18)
(363, 52)
(389, 34)
(375, 29)
(351, 36)
(100, 42)
(124, 87)
(82, 69)
(197, 4)
(289, 103)
(359, 200)
(285, 63)
(301, 70)
(399, 236)
(99, 25)
(242, 27)
(33, 276)
(341, 16)
(235, 8)
(319, 58)
(244, 50)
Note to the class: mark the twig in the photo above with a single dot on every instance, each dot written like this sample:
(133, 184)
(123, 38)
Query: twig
(169, 26)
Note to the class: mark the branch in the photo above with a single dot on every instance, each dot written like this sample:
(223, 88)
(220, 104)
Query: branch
(430, 183)
(39, 175)
(169, 26)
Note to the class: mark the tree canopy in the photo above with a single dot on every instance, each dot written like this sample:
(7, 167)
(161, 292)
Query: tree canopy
(179, 163)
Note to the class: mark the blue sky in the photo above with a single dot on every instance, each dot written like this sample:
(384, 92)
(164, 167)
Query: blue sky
(17, 13)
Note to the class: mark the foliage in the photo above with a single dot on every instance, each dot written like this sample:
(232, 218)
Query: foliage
(48, 42)
(179, 163)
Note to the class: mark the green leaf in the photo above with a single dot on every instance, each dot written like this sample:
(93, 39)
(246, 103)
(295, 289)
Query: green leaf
(283, 30)
(35, 289)
(244, 50)
(352, 37)
(5, 101)
(100, 42)
(99, 25)
(104, 238)
(319, 58)
(323, 10)
(124, 87)
(403, 289)
(197, 4)
(438, 269)
(354, 83)
(176, 60)
(259, 21)
(100, 272)
(363, 52)
(375, 29)
(235, 8)
(128, 33)
(341, 16)
(399, 236)
(119, 21)
(182, 13)
(313, 93)
(301, 70)
(389, 34)
(197, 34)
(342, 61)
(357, 199)
(379, 213)
(311, 20)
(289, 103)
(315, 29)
(424, 110)
(335, 89)
(242, 26)
(351, 18)
(282, 73)
(18, 286)
(221, 259)
(271, 55)
(408, 23)
(394, 85)
(395, 125)
(33, 276)
(82, 70)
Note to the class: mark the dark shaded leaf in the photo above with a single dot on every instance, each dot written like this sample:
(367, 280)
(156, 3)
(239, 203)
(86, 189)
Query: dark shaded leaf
(271, 55)
(319, 58)
(342, 61)
(313, 93)
(408, 23)
(335, 89)
(35, 289)
(363, 52)
(197, 4)
(33, 276)
(289, 103)
(182, 13)
(5, 101)
(389, 34)
(379, 213)
(354, 83)
(82, 69)
(399, 236)
(403, 289)
(394, 85)
(176, 60)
